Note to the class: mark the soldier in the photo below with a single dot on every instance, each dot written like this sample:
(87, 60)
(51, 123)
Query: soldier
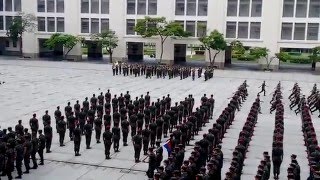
(116, 137)
(76, 108)
(145, 139)
(46, 118)
(34, 125)
(152, 163)
(125, 131)
(277, 156)
(71, 125)
(62, 126)
(263, 88)
(133, 123)
(127, 99)
(193, 74)
(27, 152)
(153, 129)
(137, 144)
(147, 100)
(82, 120)
(97, 128)
(57, 116)
(34, 151)
(42, 145)
(68, 110)
(77, 140)
(115, 103)
(48, 137)
(107, 139)
(88, 134)
(86, 105)
(101, 98)
(159, 123)
(159, 154)
(19, 157)
(107, 96)
(93, 102)
(19, 128)
(10, 155)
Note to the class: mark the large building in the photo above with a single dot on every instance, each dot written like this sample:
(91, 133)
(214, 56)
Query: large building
(274, 24)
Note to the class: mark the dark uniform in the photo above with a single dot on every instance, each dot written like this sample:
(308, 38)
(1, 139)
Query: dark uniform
(48, 135)
(97, 128)
(125, 131)
(62, 127)
(152, 163)
(107, 139)
(88, 134)
(27, 152)
(46, 119)
(137, 143)
(34, 125)
(71, 124)
(34, 151)
(77, 140)
(116, 138)
(42, 146)
(146, 139)
(19, 157)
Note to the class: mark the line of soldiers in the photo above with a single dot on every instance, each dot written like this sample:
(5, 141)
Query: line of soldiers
(293, 169)
(311, 143)
(17, 147)
(296, 98)
(161, 71)
(314, 100)
(207, 152)
(264, 167)
(244, 139)
(277, 144)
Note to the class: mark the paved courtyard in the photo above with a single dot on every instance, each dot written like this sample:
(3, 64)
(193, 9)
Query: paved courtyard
(35, 86)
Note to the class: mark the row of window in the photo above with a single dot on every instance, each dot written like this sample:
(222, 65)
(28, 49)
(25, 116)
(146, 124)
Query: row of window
(299, 8)
(51, 24)
(94, 25)
(195, 28)
(243, 30)
(244, 8)
(95, 6)
(300, 31)
(142, 7)
(51, 6)
(10, 5)
(191, 7)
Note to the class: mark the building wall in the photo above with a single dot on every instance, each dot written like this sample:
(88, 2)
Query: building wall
(218, 17)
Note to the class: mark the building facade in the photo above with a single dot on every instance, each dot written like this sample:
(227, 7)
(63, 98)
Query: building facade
(274, 24)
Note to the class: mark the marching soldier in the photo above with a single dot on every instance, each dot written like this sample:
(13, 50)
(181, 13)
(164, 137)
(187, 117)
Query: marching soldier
(71, 124)
(88, 134)
(107, 139)
(97, 128)
(137, 144)
(152, 163)
(145, 139)
(42, 146)
(46, 118)
(116, 137)
(62, 126)
(19, 157)
(125, 131)
(27, 152)
(77, 140)
(263, 88)
(48, 135)
(34, 125)
(34, 151)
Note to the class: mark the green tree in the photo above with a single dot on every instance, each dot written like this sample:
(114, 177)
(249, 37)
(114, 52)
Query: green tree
(108, 40)
(237, 47)
(68, 41)
(21, 23)
(315, 55)
(215, 41)
(262, 52)
(149, 27)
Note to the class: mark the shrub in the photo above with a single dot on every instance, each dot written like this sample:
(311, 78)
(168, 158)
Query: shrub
(300, 60)
(246, 57)
(294, 53)
(282, 56)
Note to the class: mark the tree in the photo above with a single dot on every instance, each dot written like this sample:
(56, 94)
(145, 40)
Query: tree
(213, 41)
(262, 52)
(315, 55)
(237, 47)
(21, 23)
(149, 27)
(68, 41)
(108, 40)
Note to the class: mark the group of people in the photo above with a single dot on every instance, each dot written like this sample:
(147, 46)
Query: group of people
(314, 100)
(264, 168)
(244, 139)
(161, 71)
(296, 98)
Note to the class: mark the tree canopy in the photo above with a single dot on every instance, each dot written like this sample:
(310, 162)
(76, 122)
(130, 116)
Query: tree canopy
(108, 40)
(68, 41)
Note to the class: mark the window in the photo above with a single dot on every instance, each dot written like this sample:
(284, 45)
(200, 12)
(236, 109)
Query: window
(142, 5)
(191, 27)
(299, 31)
(8, 5)
(94, 25)
(41, 6)
(286, 31)
(1, 23)
(50, 5)
(255, 28)
(51, 24)
(288, 7)
(1, 5)
(244, 8)
(104, 25)
(191, 7)
(60, 6)
(104, 6)
(17, 5)
(95, 6)
(7, 43)
(84, 25)
(301, 8)
(232, 8)
(130, 26)
(231, 29)
(314, 8)
(84, 6)
(202, 7)
(8, 22)
(41, 24)
(243, 30)
(179, 7)
(152, 7)
(201, 28)
(131, 7)
(313, 31)
(14, 44)
(60, 24)
(256, 8)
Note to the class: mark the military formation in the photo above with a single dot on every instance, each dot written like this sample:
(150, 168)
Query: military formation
(161, 71)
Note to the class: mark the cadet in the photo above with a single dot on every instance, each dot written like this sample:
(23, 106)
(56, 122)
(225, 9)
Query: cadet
(146, 139)
(86, 105)
(116, 137)
(34, 151)
(76, 108)
(57, 116)
(27, 151)
(101, 98)
(263, 88)
(71, 124)
(107, 139)
(46, 118)
(10, 155)
(97, 128)
(34, 125)
(62, 127)
(82, 119)
(125, 131)
(88, 134)
(77, 140)
(152, 163)
(137, 144)
(42, 145)
(19, 157)
(277, 156)
(19, 128)
(48, 135)
(108, 96)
